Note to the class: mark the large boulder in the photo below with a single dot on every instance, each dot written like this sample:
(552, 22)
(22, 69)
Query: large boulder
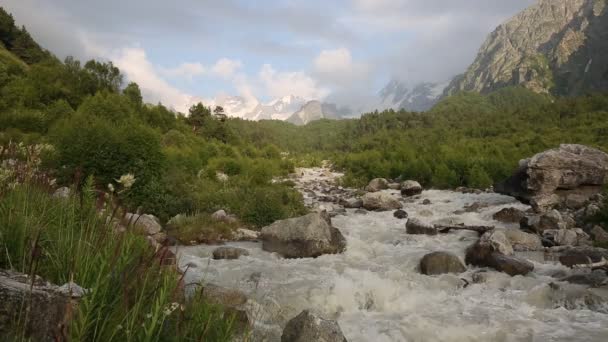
(376, 185)
(417, 227)
(308, 236)
(440, 263)
(549, 178)
(149, 224)
(411, 188)
(567, 237)
(494, 250)
(380, 201)
(522, 241)
(552, 219)
(42, 308)
(307, 327)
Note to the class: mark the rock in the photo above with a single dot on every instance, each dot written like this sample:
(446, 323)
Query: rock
(242, 234)
(63, 192)
(232, 301)
(549, 178)
(222, 216)
(351, 203)
(48, 307)
(575, 201)
(480, 277)
(400, 214)
(72, 290)
(566, 237)
(548, 221)
(509, 215)
(440, 263)
(160, 238)
(594, 279)
(417, 227)
(599, 234)
(380, 201)
(427, 202)
(361, 211)
(307, 327)
(303, 237)
(376, 185)
(582, 256)
(149, 224)
(411, 188)
(494, 250)
(522, 241)
(229, 253)
(394, 186)
(475, 207)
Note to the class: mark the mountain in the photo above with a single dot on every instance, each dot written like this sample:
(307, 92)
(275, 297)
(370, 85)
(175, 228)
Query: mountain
(316, 110)
(422, 97)
(279, 109)
(555, 46)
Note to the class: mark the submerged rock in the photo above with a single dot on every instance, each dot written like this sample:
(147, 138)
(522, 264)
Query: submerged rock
(381, 201)
(307, 327)
(411, 188)
(549, 178)
(308, 236)
(441, 262)
(229, 253)
(417, 227)
(400, 214)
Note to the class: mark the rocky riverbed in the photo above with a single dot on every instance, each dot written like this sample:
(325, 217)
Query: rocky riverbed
(375, 289)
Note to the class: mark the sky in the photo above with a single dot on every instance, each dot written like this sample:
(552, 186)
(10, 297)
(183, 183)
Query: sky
(341, 51)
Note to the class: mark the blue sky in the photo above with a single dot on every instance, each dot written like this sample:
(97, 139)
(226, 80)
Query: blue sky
(342, 51)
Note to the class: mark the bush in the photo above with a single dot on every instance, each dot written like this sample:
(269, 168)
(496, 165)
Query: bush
(200, 227)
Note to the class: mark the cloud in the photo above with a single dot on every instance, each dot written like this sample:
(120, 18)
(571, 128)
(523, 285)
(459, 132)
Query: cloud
(279, 84)
(226, 68)
(185, 70)
(134, 63)
(337, 68)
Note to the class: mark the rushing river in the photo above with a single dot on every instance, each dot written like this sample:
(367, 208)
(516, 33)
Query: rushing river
(376, 293)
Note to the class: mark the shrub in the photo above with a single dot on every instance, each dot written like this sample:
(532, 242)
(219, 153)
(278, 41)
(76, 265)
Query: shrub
(200, 227)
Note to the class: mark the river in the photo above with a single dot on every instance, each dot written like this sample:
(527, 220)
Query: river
(376, 293)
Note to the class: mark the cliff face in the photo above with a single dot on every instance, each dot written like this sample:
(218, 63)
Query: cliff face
(555, 46)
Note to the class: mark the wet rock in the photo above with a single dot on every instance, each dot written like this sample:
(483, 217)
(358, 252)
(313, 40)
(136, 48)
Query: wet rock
(48, 307)
(229, 253)
(381, 201)
(509, 215)
(411, 188)
(510, 265)
(417, 227)
(595, 278)
(522, 241)
(427, 202)
(548, 178)
(400, 214)
(475, 207)
(308, 236)
(149, 224)
(351, 203)
(599, 234)
(376, 185)
(307, 327)
(582, 256)
(567, 237)
(361, 211)
(548, 221)
(63, 192)
(494, 250)
(480, 277)
(440, 263)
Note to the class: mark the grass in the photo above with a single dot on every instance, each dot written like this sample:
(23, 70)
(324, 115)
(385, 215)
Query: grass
(201, 228)
(131, 297)
(6, 57)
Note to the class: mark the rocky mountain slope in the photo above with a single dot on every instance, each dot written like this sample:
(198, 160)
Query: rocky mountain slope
(316, 110)
(555, 46)
(397, 95)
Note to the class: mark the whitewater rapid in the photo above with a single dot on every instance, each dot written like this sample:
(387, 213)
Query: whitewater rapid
(376, 293)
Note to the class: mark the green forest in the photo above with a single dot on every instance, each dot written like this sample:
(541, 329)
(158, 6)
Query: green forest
(80, 125)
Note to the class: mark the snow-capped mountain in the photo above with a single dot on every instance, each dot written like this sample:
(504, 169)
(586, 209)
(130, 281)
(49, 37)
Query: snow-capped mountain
(235, 106)
(279, 109)
(423, 96)
(316, 110)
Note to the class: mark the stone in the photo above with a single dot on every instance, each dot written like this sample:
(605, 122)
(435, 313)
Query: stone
(394, 186)
(308, 236)
(494, 250)
(380, 201)
(509, 215)
(441, 262)
(400, 214)
(539, 223)
(222, 216)
(510, 265)
(351, 203)
(43, 308)
(361, 211)
(417, 227)
(376, 185)
(582, 256)
(549, 178)
(427, 202)
(411, 188)
(229, 253)
(307, 327)
(475, 207)
(595, 278)
(233, 302)
(522, 241)
(63, 192)
(567, 237)
(599, 234)
(72, 290)
(149, 224)
(242, 234)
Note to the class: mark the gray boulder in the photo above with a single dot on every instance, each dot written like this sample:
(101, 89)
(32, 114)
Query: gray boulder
(440, 263)
(376, 185)
(411, 188)
(229, 253)
(308, 236)
(380, 201)
(417, 227)
(307, 327)
(522, 241)
(549, 178)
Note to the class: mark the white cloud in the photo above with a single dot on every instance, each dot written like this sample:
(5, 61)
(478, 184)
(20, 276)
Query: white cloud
(278, 84)
(336, 67)
(185, 70)
(226, 68)
(134, 63)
